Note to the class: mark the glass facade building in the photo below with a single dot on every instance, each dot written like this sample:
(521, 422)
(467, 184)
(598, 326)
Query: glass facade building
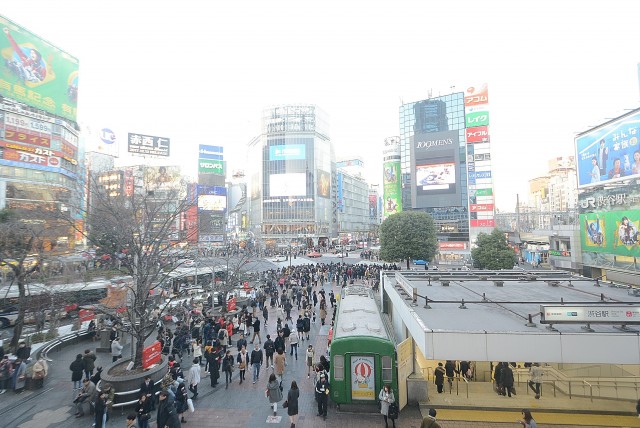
(292, 189)
(420, 122)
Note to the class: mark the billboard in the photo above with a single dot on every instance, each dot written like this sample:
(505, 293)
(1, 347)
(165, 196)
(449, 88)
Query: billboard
(392, 188)
(212, 198)
(324, 184)
(290, 184)
(478, 134)
(373, 206)
(148, 145)
(162, 177)
(340, 191)
(210, 152)
(208, 166)
(477, 118)
(612, 232)
(475, 96)
(435, 169)
(287, 152)
(610, 152)
(36, 73)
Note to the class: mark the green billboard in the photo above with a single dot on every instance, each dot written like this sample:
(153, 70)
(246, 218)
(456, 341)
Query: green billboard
(477, 118)
(392, 188)
(611, 232)
(208, 166)
(36, 73)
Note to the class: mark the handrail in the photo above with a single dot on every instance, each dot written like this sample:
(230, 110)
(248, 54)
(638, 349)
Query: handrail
(590, 389)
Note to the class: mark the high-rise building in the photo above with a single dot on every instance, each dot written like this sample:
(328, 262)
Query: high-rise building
(433, 168)
(39, 136)
(293, 192)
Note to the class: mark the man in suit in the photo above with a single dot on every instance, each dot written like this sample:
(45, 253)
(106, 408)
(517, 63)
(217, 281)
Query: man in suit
(603, 154)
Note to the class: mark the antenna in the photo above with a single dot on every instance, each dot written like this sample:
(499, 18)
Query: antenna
(429, 93)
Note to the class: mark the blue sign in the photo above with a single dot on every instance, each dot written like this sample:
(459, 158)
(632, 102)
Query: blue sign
(287, 152)
(210, 152)
(479, 175)
(212, 190)
(609, 153)
(340, 193)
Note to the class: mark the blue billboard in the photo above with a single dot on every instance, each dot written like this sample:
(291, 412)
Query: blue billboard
(610, 152)
(287, 152)
(210, 152)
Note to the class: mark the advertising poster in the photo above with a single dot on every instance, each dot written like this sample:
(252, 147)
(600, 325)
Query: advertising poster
(609, 153)
(255, 186)
(324, 184)
(339, 185)
(477, 118)
(613, 232)
(37, 73)
(162, 177)
(392, 188)
(373, 206)
(208, 166)
(363, 378)
(210, 152)
(476, 95)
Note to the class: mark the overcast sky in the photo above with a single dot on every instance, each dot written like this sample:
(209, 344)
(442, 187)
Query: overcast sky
(202, 71)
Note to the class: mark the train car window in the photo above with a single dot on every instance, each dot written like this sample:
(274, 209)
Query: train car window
(387, 369)
(338, 367)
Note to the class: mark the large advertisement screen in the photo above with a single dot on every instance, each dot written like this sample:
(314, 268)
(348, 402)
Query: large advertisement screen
(609, 153)
(162, 177)
(287, 152)
(613, 232)
(212, 202)
(324, 184)
(37, 73)
(290, 184)
(435, 171)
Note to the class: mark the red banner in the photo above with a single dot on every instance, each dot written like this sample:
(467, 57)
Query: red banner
(452, 245)
(483, 223)
(480, 207)
(86, 315)
(476, 96)
(232, 304)
(478, 134)
(151, 355)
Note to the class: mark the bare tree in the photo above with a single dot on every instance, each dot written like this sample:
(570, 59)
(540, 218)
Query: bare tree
(136, 230)
(234, 265)
(24, 236)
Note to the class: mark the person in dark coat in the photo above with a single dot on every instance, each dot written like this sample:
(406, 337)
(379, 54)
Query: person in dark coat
(181, 401)
(77, 370)
(143, 411)
(167, 415)
(292, 401)
(148, 389)
(439, 377)
(89, 360)
(507, 379)
(213, 362)
(100, 410)
(497, 378)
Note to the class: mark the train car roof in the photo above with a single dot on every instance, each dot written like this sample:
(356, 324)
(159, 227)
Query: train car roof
(359, 315)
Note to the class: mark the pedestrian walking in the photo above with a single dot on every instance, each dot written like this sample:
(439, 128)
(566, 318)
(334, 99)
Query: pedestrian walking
(292, 403)
(193, 377)
(131, 421)
(256, 361)
(322, 395)
(279, 362)
(143, 411)
(167, 415)
(269, 349)
(256, 331)
(213, 363)
(243, 361)
(309, 356)
(88, 360)
(527, 420)
(181, 401)
(507, 379)
(227, 367)
(116, 350)
(274, 393)
(77, 368)
(439, 377)
(429, 421)
(386, 398)
(5, 373)
(535, 383)
(293, 345)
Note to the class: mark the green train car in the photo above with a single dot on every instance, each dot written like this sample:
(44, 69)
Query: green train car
(363, 351)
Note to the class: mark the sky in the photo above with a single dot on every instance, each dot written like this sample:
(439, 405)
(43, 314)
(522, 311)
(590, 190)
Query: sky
(201, 72)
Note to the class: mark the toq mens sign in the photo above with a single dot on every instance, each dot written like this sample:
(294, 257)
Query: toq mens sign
(427, 144)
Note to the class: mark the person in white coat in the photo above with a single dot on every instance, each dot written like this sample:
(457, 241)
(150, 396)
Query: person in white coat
(193, 377)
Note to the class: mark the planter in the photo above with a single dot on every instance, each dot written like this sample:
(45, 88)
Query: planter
(127, 386)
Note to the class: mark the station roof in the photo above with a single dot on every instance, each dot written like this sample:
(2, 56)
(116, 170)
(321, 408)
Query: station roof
(495, 323)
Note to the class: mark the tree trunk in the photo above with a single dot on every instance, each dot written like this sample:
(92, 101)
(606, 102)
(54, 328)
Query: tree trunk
(407, 264)
(19, 324)
(137, 359)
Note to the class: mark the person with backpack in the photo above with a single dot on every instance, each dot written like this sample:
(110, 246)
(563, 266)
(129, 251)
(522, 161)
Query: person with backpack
(269, 350)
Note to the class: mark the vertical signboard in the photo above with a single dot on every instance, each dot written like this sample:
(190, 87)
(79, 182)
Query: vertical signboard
(391, 177)
(481, 202)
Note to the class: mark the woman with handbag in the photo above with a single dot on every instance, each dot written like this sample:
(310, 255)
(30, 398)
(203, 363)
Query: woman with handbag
(143, 410)
(243, 360)
(273, 392)
(292, 403)
(386, 398)
(181, 401)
